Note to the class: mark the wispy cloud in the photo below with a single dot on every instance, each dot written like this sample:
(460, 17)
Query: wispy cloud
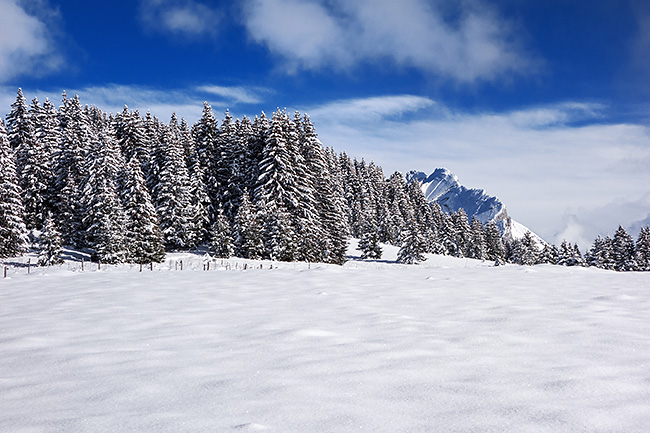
(188, 18)
(185, 102)
(26, 44)
(373, 108)
(543, 162)
(237, 94)
(475, 45)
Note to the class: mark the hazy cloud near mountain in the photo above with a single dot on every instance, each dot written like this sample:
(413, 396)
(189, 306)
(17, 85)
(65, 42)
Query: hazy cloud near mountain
(547, 170)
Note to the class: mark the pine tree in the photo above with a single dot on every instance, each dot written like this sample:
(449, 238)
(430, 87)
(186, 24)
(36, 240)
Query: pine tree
(13, 233)
(279, 236)
(549, 255)
(643, 249)
(32, 161)
(477, 248)
(221, 241)
(145, 242)
(51, 250)
(247, 232)
(172, 191)
(462, 232)
(333, 212)
(568, 256)
(525, 251)
(200, 205)
(317, 212)
(276, 185)
(495, 249)
(131, 136)
(624, 254)
(20, 128)
(413, 247)
(601, 254)
(104, 219)
(69, 169)
(369, 245)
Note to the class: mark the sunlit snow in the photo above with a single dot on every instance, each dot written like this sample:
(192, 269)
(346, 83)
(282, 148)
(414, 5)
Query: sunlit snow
(450, 345)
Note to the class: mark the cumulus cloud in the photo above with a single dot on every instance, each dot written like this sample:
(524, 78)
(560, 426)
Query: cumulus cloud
(475, 44)
(188, 18)
(26, 44)
(544, 163)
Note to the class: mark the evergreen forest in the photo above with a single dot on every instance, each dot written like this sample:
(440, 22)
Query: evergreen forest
(128, 188)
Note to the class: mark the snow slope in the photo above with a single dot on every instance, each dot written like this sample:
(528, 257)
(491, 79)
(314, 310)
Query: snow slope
(452, 345)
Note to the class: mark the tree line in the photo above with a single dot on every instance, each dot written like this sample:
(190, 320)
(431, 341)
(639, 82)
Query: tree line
(128, 188)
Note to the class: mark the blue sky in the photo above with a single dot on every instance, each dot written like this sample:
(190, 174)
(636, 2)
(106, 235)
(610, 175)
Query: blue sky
(542, 103)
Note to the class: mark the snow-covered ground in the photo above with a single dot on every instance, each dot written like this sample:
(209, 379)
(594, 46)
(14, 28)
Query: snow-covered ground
(447, 346)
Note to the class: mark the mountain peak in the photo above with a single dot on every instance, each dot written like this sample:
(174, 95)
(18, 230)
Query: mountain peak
(444, 187)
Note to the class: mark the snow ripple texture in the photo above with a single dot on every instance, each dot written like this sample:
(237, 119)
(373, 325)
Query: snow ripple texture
(451, 345)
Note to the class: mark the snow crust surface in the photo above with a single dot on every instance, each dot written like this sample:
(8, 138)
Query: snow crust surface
(450, 345)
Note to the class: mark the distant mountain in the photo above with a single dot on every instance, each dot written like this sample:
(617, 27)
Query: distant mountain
(444, 187)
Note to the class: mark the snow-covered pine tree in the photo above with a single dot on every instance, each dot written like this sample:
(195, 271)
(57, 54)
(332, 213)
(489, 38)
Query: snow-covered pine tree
(33, 168)
(48, 135)
(206, 135)
(413, 246)
(201, 212)
(333, 212)
(13, 233)
(397, 191)
(104, 219)
(20, 128)
(448, 236)
(643, 249)
(279, 235)
(51, 248)
(152, 166)
(477, 248)
(131, 136)
(495, 249)
(437, 238)
(225, 157)
(276, 186)
(420, 206)
(462, 232)
(221, 240)
(601, 253)
(567, 255)
(316, 195)
(254, 150)
(247, 231)
(69, 169)
(525, 251)
(549, 254)
(172, 200)
(624, 251)
(142, 231)
(369, 243)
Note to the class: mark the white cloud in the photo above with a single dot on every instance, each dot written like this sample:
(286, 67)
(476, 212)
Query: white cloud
(374, 108)
(26, 45)
(236, 94)
(536, 160)
(413, 33)
(188, 18)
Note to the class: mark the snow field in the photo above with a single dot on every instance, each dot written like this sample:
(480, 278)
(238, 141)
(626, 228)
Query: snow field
(450, 345)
